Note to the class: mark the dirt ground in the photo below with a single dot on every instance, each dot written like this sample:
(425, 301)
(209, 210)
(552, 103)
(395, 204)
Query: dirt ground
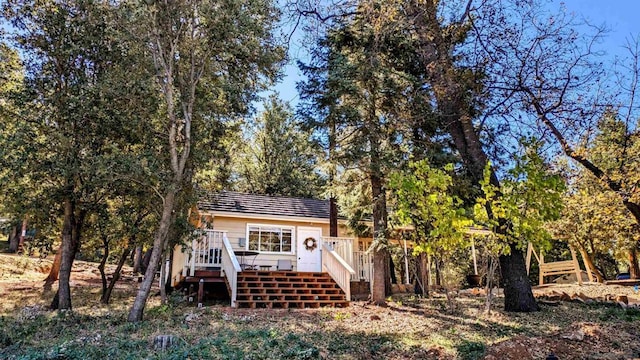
(571, 327)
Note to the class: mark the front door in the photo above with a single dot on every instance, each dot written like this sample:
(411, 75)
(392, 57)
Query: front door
(308, 249)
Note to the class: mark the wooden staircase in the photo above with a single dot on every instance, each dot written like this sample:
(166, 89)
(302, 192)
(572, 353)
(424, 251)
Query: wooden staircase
(287, 289)
(199, 280)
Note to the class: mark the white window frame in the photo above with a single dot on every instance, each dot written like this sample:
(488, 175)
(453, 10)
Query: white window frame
(293, 238)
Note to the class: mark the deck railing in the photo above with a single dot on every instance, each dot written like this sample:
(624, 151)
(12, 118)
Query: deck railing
(230, 268)
(338, 269)
(362, 265)
(341, 245)
(206, 250)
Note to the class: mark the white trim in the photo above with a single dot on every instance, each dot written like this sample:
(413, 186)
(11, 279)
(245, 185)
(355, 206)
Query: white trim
(293, 238)
(311, 220)
(310, 228)
(267, 217)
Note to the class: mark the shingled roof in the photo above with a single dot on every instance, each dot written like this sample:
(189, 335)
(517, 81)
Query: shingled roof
(230, 201)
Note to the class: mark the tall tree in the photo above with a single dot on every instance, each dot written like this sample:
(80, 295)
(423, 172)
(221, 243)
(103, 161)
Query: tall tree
(545, 75)
(357, 99)
(72, 113)
(596, 222)
(278, 157)
(210, 57)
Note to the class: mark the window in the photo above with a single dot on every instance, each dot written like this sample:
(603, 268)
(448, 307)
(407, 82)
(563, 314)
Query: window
(265, 238)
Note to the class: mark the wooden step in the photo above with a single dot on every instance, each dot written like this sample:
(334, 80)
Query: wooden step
(278, 289)
(301, 304)
(207, 273)
(288, 289)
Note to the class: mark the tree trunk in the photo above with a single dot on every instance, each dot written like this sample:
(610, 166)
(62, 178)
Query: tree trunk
(71, 229)
(387, 270)
(137, 260)
(392, 271)
(145, 260)
(167, 285)
(422, 274)
(380, 260)
(14, 239)
(159, 242)
(634, 270)
(378, 291)
(163, 275)
(62, 299)
(103, 263)
(438, 274)
(589, 264)
(517, 289)
(106, 295)
(22, 235)
(451, 86)
(55, 269)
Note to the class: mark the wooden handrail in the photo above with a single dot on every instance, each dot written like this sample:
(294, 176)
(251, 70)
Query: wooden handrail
(206, 249)
(338, 269)
(230, 268)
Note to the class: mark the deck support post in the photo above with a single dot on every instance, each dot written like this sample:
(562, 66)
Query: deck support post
(200, 292)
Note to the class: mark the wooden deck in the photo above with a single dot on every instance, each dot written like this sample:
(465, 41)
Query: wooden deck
(275, 289)
(288, 289)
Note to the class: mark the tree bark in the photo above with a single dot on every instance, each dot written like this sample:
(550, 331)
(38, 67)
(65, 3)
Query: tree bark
(163, 275)
(517, 289)
(14, 239)
(589, 264)
(58, 302)
(137, 259)
(423, 274)
(145, 260)
(23, 231)
(451, 86)
(634, 270)
(380, 260)
(103, 263)
(159, 243)
(63, 295)
(55, 270)
(106, 295)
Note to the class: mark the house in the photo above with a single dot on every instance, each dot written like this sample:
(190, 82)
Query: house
(271, 251)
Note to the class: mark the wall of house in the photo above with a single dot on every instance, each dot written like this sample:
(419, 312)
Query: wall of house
(236, 229)
(177, 265)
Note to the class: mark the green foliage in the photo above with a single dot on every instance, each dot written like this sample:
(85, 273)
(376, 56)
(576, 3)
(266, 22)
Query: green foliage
(615, 313)
(361, 103)
(529, 197)
(75, 121)
(424, 200)
(470, 350)
(277, 156)
(594, 220)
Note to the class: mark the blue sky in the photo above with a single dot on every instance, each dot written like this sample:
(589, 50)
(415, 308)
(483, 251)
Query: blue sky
(621, 17)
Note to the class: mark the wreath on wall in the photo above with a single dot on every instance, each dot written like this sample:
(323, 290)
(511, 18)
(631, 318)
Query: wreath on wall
(310, 243)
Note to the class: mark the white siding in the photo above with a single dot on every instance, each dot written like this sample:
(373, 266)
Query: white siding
(236, 228)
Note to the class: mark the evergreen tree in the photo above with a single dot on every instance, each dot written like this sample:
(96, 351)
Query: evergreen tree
(278, 158)
(359, 101)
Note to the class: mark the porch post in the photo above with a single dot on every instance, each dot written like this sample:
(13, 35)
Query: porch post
(475, 262)
(406, 263)
(193, 258)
